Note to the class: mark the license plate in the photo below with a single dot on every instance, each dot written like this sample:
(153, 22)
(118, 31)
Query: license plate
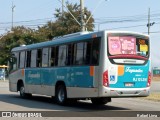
(129, 84)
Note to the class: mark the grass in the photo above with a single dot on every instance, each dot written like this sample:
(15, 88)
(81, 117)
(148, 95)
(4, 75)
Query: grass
(156, 78)
(155, 96)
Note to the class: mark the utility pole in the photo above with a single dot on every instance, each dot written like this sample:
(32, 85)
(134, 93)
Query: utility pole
(62, 8)
(148, 25)
(13, 6)
(82, 16)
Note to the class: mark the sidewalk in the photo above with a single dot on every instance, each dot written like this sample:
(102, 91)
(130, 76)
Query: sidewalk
(6, 80)
(4, 83)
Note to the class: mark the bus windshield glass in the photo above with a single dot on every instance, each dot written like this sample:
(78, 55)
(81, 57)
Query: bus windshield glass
(130, 46)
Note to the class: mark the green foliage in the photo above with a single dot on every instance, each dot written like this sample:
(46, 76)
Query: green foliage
(64, 24)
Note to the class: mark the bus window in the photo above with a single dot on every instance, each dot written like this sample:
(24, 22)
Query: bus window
(22, 59)
(28, 62)
(45, 57)
(52, 56)
(14, 61)
(33, 58)
(87, 52)
(95, 51)
(62, 55)
(70, 54)
(79, 53)
(56, 55)
(39, 58)
(128, 49)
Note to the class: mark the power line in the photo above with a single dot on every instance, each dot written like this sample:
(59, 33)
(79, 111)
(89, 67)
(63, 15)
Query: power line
(34, 20)
(130, 16)
(141, 25)
(128, 20)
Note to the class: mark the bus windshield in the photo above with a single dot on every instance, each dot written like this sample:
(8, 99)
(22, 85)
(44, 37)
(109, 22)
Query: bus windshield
(128, 46)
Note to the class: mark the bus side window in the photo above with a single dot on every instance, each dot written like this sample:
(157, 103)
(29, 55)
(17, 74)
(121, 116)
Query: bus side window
(22, 59)
(53, 56)
(28, 59)
(62, 55)
(69, 57)
(87, 52)
(45, 57)
(79, 59)
(18, 58)
(33, 58)
(14, 61)
(39, 58)
(95, 51)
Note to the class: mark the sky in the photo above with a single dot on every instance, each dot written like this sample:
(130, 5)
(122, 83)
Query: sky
(129, 15)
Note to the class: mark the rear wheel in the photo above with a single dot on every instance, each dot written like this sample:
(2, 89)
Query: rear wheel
(61, 95)
(100, 101)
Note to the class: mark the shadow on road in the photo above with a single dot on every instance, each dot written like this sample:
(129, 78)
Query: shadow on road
(41, 102)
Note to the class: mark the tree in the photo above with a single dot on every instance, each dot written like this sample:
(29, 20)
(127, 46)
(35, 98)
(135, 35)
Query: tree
(65, 24)
(19, 36)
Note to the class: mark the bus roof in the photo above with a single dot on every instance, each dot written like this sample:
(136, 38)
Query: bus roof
(58, 40)
(68, 38)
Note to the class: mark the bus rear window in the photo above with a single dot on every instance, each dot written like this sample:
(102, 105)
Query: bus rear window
(127, 45)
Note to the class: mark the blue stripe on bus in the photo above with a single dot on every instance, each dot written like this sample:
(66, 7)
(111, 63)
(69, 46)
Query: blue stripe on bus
(73, 77)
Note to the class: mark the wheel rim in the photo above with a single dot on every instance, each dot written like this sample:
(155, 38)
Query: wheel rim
(22, 91)
(61, 95)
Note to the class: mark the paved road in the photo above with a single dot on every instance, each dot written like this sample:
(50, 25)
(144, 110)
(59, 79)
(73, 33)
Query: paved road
(10, 101)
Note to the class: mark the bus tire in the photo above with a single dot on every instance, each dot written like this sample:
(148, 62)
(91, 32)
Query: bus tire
(22, 92)
(61, 95)
(100, 101)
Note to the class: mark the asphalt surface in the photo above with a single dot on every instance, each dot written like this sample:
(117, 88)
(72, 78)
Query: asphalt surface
(10, 101)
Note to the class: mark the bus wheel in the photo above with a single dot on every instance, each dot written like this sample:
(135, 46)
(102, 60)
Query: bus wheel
(100, 101)
(61, 95)
(22, 91)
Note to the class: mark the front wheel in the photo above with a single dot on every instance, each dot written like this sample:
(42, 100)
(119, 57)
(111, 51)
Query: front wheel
(22, 92)
(61, 95)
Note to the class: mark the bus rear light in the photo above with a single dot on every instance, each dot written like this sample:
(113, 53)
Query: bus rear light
(105, 79)
(149, 79)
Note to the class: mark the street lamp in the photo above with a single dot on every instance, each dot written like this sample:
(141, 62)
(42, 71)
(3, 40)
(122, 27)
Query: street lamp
(149, 25)
(94, 11)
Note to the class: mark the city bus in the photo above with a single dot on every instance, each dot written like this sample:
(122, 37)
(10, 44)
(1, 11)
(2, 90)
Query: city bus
(94, 66)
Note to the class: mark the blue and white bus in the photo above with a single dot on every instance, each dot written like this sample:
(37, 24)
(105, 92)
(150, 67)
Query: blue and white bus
(90, 65)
